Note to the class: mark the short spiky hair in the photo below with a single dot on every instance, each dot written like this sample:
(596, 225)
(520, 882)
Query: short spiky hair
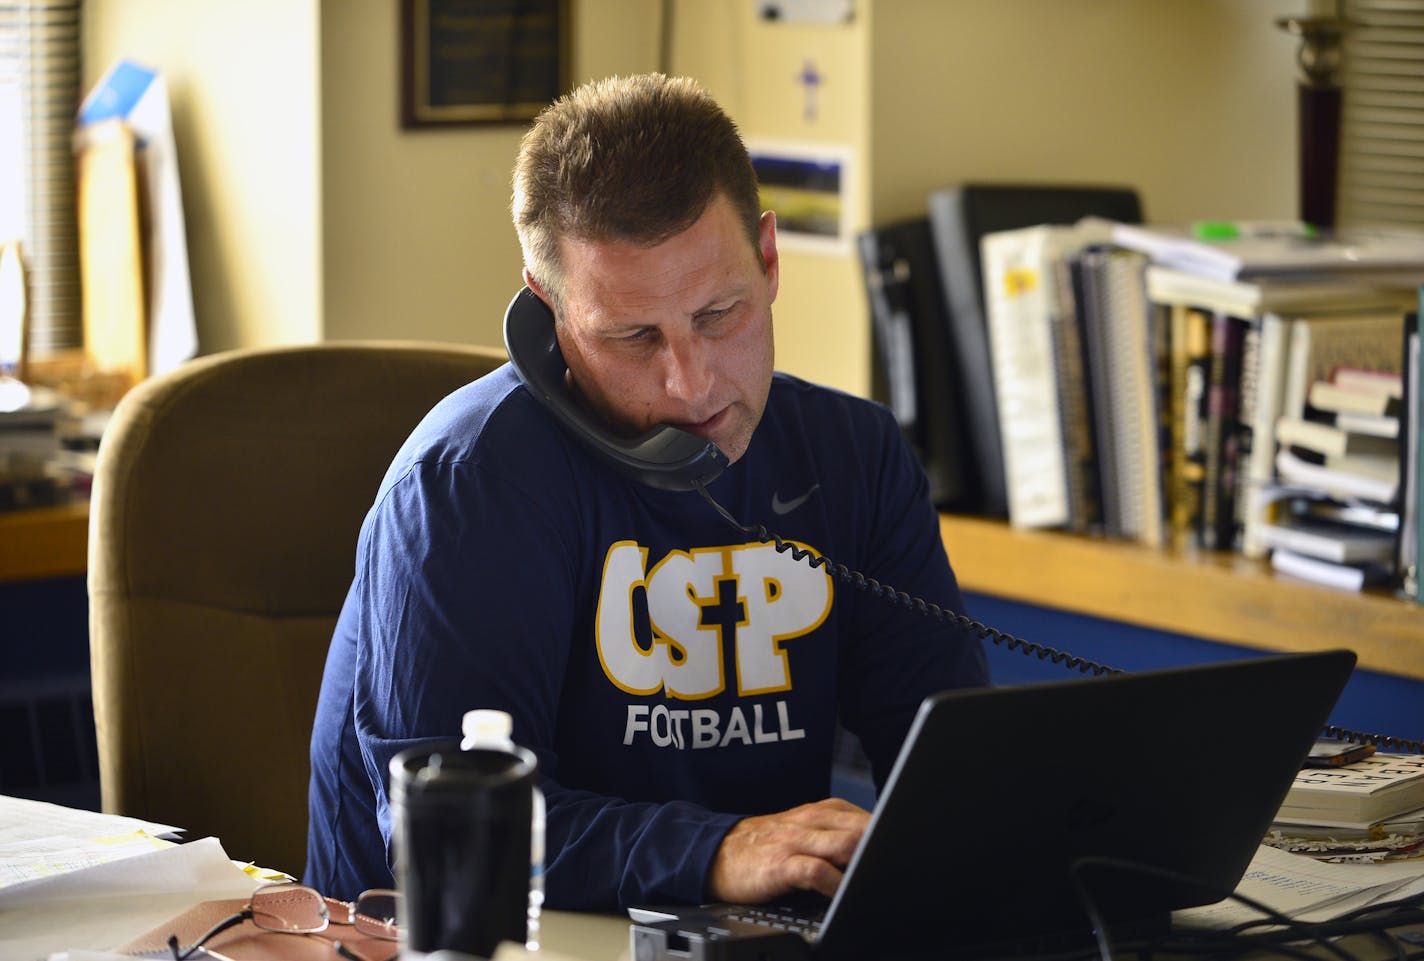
(636, 159)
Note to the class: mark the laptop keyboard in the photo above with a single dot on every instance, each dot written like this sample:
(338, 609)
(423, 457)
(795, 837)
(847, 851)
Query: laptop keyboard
(802, 919)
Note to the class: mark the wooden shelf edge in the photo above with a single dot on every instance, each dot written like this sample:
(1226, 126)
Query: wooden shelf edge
(44, 542)
(1216, 596)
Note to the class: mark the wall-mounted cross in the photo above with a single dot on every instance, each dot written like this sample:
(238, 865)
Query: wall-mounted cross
(810, 78)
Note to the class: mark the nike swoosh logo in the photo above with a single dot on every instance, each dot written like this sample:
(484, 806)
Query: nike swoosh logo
(779, 506)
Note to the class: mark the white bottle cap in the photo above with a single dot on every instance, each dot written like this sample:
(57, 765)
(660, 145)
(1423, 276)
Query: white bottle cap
(485, 726)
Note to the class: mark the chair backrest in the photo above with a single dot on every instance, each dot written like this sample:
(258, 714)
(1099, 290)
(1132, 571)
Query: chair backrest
(227, 501)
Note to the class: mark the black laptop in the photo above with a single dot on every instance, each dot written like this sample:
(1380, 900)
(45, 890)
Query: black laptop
(1011, 809)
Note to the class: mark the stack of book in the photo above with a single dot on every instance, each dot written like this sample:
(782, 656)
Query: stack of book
(1305, 467)
(1073, 348)
(1370, 799)
(1244, 389)
(1338, 467)
(30, 448)
(1140, 377)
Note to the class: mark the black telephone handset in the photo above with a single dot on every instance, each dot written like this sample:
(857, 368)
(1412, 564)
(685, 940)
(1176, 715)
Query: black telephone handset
(671, 459)
(666, 458)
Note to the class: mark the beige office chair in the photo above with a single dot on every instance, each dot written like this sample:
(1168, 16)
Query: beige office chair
(226, 506)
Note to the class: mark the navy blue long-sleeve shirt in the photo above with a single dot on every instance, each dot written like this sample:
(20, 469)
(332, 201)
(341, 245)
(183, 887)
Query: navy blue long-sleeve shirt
(670, 673)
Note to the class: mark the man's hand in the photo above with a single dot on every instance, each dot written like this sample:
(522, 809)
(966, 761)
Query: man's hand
(803, 849)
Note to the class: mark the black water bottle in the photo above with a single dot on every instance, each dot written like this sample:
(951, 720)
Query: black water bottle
(461, 822)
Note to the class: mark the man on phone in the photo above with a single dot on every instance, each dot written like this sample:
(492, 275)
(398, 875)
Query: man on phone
(680, 682)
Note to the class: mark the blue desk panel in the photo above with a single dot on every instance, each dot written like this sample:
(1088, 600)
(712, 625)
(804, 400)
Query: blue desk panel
(1373, 702)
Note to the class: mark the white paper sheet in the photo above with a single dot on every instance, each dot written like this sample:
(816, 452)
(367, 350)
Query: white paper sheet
(103, 906)
(25, 820)
(1307, 889)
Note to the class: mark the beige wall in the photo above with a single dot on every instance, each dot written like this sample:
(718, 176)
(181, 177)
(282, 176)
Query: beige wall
(1190, 102)
(1193, 103)
(418, 240)
(241, 77)
(313, 215)
(753, 67)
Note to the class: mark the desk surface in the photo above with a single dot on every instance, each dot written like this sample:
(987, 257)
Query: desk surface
(587, 937)
(570, 936)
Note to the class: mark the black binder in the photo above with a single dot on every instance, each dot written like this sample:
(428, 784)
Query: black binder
(915, 358)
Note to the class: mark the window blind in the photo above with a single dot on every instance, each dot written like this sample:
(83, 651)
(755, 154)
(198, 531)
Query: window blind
(39, 96)
(1381, 179)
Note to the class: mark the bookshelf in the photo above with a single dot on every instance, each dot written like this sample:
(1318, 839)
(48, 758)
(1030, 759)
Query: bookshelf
(1218, 596)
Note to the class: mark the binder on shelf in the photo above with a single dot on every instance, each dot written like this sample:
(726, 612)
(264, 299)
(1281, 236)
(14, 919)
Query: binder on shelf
(959, 217)
(1088, 275)
(1411, 527)
(1259, 430)
(1074, 378)
(1023, 305)
(1326, 395)
(1222, 440)
(916, 357)
(1406, 554)
(1332, 439)
(1188, 372)
(1342, 482)
(1124, 341)
(1133, 354)
(1334, 541)
(1345, 577)
(1383, 425)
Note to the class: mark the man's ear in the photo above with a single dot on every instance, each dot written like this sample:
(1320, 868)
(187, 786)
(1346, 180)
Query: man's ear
(539, 291)
(771, 260)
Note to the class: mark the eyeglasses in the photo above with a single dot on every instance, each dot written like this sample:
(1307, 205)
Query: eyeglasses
(289, 908)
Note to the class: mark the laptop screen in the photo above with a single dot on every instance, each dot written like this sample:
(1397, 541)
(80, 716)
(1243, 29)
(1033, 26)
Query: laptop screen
(1015, 815)
(1008, 807)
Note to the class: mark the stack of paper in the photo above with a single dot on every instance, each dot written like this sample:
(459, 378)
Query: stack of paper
(79, 880)
(1305, 889)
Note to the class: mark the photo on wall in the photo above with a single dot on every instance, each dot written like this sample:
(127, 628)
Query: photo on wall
(808, 186)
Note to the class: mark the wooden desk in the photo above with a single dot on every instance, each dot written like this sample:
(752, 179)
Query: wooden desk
(1218, 596)
(575, 936)
(44, 542)
(597, 937)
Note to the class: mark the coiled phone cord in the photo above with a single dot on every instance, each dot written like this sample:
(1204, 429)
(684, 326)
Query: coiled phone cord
(909, 602)
(906, 601)
(1387, 741)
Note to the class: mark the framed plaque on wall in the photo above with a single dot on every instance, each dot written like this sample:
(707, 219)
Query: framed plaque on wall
(481, 61)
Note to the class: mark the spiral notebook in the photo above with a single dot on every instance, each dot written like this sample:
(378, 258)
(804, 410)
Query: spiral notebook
(1007, 807)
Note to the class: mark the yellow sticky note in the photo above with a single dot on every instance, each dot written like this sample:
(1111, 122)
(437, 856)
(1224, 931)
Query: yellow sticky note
(1019, 281)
